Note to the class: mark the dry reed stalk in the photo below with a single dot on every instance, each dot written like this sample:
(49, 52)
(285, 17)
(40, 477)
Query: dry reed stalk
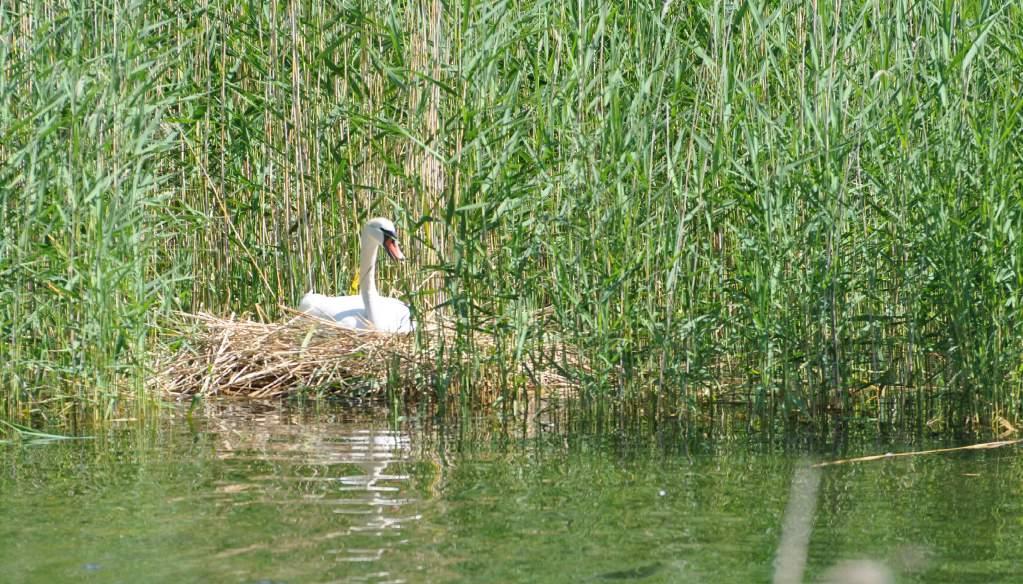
(981, 446)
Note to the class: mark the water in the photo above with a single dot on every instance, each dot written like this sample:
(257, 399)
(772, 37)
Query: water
(253, 493)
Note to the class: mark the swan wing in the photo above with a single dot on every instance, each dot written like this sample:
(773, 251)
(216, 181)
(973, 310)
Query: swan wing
(345, 310)
(392, 315)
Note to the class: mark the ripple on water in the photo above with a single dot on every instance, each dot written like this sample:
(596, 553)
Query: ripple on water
(348, 471)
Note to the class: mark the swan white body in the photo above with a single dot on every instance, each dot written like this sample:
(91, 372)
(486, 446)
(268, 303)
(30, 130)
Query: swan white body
(368, 310)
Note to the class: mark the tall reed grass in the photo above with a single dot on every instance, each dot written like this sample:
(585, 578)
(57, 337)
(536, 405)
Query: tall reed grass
(804, 208)
(83, 205)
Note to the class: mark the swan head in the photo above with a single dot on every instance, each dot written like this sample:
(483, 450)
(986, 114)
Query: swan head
(382, 232)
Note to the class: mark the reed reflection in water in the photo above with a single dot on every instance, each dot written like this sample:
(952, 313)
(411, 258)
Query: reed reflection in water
(322, 493)
(347, 465)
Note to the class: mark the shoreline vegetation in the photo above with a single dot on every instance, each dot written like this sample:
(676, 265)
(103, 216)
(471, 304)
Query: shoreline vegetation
(810, 210)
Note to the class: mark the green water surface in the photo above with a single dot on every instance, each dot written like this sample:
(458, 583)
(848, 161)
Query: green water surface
(254, 493)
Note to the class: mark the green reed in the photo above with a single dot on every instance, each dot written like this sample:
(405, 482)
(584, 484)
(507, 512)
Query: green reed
(802, 209)
(82, 205)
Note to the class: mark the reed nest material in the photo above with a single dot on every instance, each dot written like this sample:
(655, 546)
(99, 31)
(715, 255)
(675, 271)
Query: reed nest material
(242, 357)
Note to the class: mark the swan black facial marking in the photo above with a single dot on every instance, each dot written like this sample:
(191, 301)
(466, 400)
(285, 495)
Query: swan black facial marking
(388, 234)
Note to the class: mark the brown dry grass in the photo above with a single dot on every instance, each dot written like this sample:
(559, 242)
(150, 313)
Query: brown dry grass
(242, 357)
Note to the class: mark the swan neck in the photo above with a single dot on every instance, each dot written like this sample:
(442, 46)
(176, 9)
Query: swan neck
(367, 275)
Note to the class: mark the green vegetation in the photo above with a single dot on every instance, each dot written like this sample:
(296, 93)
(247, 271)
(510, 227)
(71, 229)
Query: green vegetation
(804, 207)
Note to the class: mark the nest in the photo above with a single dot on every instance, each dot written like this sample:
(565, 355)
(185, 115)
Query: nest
(242, 357)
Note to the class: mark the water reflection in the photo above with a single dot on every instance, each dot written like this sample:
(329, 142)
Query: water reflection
(347, 462)
(243, 492)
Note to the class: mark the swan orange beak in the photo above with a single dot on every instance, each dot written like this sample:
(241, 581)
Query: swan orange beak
(391, 245)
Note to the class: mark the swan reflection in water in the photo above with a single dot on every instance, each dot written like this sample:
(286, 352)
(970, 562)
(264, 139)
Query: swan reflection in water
(334, 482)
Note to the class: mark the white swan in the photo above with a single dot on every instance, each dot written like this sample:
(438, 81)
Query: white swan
(368, 310)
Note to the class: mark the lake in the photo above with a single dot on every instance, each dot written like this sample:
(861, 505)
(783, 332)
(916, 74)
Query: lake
(263, 493)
